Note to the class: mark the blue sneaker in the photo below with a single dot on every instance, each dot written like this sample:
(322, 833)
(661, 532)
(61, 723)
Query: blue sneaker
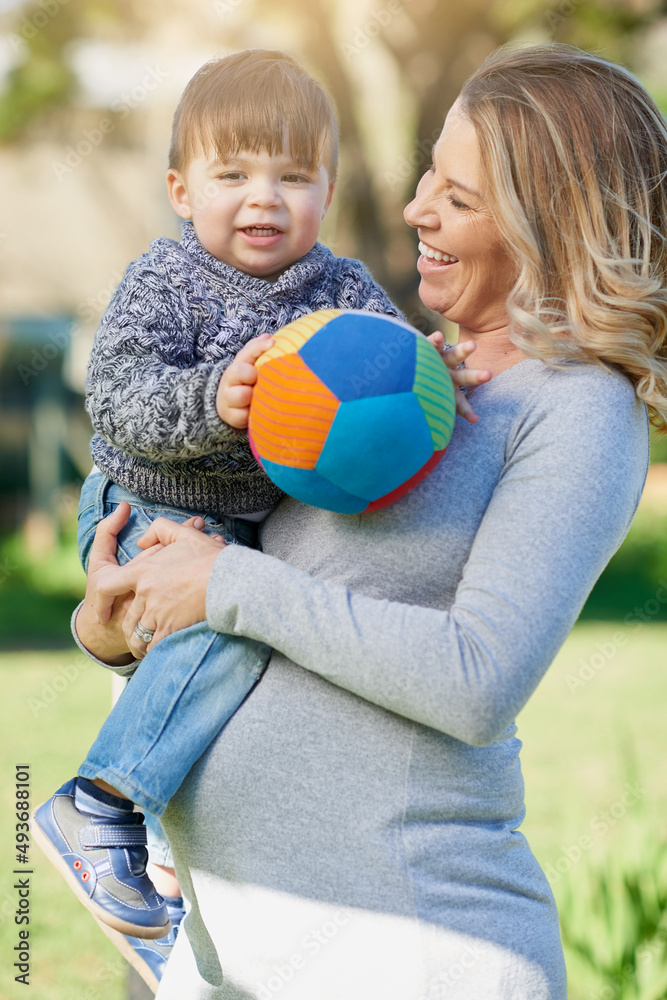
(149, 958)
(104, 862)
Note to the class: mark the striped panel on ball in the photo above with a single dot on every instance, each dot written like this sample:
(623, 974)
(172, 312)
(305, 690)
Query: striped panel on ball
(292, 337)
(435, 392)
(292, 412)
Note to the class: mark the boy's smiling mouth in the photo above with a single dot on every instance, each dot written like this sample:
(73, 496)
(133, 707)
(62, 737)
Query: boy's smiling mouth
(261, 230)
(261, 236)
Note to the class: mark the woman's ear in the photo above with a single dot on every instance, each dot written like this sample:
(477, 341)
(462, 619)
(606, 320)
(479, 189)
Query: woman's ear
(178, 194)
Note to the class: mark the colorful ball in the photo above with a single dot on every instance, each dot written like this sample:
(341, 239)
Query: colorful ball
(350, 410)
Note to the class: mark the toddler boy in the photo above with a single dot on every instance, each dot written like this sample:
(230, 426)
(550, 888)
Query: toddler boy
(252, 169)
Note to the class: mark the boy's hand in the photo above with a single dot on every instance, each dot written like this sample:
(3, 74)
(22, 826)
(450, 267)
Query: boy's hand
(235, 389)
(453, 357)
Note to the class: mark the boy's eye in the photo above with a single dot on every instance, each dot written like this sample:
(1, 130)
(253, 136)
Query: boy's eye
(294, 178)
(231, 175)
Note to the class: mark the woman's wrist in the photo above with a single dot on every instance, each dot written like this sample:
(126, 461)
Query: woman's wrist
(103, 642)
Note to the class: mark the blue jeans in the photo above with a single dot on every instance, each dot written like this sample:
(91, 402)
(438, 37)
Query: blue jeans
(184, 690)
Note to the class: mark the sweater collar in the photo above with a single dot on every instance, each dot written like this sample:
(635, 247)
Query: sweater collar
(308, 268)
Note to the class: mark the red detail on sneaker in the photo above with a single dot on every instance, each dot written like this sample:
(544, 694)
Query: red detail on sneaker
(77, 865)
(85, 876)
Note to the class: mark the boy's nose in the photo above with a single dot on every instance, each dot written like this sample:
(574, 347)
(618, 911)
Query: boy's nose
(264, 193)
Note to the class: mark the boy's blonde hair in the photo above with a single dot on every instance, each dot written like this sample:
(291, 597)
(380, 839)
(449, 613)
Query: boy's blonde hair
(575, 152)
(255, 101)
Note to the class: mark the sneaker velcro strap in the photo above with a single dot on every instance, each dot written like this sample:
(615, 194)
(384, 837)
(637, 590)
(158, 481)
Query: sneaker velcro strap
(112, 836)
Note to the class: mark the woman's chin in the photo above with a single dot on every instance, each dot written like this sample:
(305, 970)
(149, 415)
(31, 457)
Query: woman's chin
(433, 298)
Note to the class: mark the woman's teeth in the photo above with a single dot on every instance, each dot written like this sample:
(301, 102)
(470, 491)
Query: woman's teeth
(435, 254)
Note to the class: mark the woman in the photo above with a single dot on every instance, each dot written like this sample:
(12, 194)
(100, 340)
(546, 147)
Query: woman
(354, 832)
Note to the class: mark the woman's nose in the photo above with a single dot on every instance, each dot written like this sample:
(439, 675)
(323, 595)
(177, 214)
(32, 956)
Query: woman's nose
(420, 211)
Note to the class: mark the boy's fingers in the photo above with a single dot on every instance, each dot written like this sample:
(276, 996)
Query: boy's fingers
(240, 373)
(164, 531)
(254, 348)
(465, 409)
(238, 396)
(237, 417)
(195, 522)
(459, 353)
(470, 376)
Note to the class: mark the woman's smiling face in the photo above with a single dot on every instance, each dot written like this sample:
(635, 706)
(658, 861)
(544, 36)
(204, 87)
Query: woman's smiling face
(470, 282)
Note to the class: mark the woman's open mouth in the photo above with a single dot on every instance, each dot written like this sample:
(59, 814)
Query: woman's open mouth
(436, 256)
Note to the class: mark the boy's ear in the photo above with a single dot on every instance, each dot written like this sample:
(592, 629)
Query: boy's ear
(178, 194)
(329, 197)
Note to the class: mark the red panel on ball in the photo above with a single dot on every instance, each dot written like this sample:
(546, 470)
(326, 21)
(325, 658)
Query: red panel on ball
(407, 486)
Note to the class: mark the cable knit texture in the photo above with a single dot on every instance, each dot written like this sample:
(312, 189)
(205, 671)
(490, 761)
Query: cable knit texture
(176, 321)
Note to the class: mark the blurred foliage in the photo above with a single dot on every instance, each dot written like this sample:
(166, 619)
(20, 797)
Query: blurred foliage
(658, 447)
(43, 80)
(438, 49)
(613, 919)
(634, 573)
(613, 909)
(38, 593)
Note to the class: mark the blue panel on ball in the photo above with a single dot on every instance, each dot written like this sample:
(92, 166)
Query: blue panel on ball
(309, 487)
(375, 445)
(361, 354)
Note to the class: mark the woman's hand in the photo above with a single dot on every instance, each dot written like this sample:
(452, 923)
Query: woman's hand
(453, 357)
(105, 641)
(168, 581)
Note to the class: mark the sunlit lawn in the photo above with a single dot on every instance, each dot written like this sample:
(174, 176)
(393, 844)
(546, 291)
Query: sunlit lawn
(578, 750)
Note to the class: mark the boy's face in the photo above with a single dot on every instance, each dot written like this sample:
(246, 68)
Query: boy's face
(258, 212)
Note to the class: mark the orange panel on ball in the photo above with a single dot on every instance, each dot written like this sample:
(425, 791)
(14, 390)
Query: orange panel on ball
(292, 412)
(292, 337)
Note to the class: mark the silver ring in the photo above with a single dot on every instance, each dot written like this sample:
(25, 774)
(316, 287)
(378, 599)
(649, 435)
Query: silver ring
(143, 633)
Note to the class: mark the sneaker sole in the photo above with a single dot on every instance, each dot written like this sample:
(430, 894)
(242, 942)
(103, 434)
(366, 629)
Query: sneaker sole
(130, 955)
(124, 926)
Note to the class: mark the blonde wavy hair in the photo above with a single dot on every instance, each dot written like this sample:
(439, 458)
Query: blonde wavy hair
(575, 150)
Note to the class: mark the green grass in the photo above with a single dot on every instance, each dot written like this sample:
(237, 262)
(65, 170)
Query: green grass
(582, 743)
(53, 705)
(596, 805)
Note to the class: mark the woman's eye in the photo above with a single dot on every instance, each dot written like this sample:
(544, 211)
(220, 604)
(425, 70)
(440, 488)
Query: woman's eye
(458, 204)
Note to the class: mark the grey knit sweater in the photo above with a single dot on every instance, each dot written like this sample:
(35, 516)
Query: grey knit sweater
(176, 321)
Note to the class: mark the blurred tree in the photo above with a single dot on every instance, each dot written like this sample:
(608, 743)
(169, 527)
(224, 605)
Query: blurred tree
(444, 43)
(433, 46)
(42, 80)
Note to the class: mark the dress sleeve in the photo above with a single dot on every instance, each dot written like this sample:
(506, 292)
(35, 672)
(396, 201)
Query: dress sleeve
(126, 670)
(566, 496)
(146, 393)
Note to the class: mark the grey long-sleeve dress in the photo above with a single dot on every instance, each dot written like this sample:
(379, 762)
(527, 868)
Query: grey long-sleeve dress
(353, 833)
